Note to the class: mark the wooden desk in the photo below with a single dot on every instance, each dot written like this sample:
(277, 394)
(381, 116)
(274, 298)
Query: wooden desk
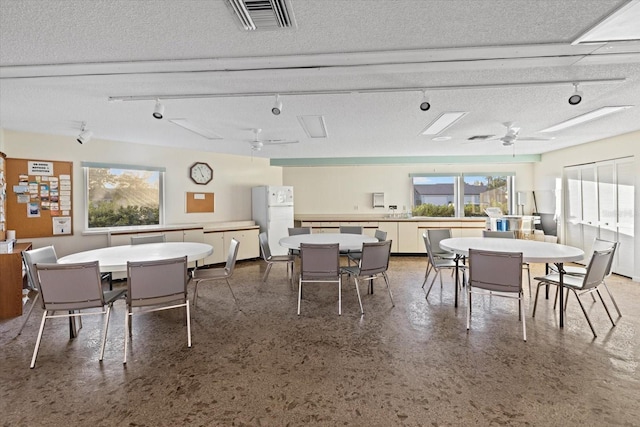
(11, 281)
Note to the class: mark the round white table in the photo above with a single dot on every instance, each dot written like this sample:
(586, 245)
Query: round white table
(532, 251)
(345, 241)
(114, 258)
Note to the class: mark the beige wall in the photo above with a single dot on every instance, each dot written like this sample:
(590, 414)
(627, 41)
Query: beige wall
(549, 170)
(232, 181)
(340, 189)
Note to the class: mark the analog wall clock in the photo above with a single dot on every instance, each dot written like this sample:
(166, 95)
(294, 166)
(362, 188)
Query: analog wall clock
(201, 173)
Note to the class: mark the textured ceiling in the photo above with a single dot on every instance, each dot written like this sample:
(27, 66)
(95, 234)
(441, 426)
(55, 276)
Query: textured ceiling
(499, 60)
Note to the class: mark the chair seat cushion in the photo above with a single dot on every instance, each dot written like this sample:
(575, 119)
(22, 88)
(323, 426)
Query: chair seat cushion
(210, 273)
(554, 279)
(282, 258)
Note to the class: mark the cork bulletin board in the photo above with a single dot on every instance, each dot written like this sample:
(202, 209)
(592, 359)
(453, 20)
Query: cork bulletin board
(38, 196)
(199, 202)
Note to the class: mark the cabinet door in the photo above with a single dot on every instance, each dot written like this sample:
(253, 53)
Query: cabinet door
(219, 250)
(606, 201)
(626, 171)
(196, 235)
(392, 233)
(248, 240)
(572, 207)
(408, 237)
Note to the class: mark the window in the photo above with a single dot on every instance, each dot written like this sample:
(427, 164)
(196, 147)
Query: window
(123, 195)
(456, 195)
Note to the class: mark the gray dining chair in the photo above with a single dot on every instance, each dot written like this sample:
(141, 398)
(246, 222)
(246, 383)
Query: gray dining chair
(373, 263)
(320, 263)
(510, 234)
(351, 229)
(356, 255)
(436, 235)
(222, 273)
(154, 238)
(587, 284)
(155, 286)
(294, 231)
(437, 265)
(270, 259)
(65, 289)
(30, 258)
(598, 245)
(499, 274)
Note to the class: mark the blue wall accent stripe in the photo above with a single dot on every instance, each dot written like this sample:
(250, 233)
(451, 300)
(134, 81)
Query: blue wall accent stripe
(354, 161)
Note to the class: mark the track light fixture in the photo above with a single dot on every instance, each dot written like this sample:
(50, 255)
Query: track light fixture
(576, 98)
(158, 112)
(85, 134)
(425, 104)
(277, 107)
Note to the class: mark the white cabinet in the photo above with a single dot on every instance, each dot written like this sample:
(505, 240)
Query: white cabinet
(248, 240)
(392, 233)
(408, 237)
(215, 239)
(599, 202)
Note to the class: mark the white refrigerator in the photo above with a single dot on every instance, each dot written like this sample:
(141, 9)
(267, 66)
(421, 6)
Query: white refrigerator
(272, 210)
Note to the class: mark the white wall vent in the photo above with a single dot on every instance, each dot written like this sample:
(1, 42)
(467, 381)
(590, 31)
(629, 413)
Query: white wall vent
(263, 14)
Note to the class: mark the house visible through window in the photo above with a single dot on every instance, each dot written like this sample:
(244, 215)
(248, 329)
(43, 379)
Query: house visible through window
(457, 195)
(120, 196)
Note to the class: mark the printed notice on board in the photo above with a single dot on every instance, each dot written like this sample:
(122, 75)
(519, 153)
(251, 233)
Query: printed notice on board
(61, 225)
(40, 168)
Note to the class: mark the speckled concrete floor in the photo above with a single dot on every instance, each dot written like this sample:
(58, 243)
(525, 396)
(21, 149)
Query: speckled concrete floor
(258, 364)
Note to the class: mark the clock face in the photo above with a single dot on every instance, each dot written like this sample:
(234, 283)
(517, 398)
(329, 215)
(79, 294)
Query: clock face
(201, 173)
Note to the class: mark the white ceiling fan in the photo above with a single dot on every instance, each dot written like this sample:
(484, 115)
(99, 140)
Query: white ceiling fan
(512, 135)
(257, 143)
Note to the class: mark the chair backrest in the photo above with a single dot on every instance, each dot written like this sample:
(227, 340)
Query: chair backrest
(597, 268)
(293, 231)
(34, 256)
(351, 229)
(436, 235)
(427, 246)
(499, 234)
(265, 249)
(319, 260)
(70, 286)
(154, 238)
(232, 257)
(381, 235)
(602, 245)
(156, 282)
(495, 271)
(375, 258)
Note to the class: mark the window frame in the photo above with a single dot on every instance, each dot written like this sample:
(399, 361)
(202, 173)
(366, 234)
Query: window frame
(161, 191)
(459, 189)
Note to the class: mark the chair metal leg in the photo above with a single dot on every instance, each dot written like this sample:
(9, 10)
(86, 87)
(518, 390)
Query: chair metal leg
(339, 295)
(468, 308)
(232, 294)
(431, 285)
(355, 280)
(535, 303)
(127, 326)
(188, 324)
(104, 331)
(426, 275)
(37, 347)
(610, 296)
(524, 320)
(299, 293)
(386, 279)
(605, 307)
(195, 293)
(266, 273)
(33, 304)
(585, 314)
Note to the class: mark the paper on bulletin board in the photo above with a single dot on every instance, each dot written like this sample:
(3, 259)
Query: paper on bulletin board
(61, 225)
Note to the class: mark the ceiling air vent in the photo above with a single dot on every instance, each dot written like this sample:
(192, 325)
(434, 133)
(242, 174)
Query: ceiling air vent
(263, 14)
(480, 137)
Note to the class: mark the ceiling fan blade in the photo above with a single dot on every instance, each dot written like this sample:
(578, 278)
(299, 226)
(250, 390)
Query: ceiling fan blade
(535, 138)
(280, 141)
